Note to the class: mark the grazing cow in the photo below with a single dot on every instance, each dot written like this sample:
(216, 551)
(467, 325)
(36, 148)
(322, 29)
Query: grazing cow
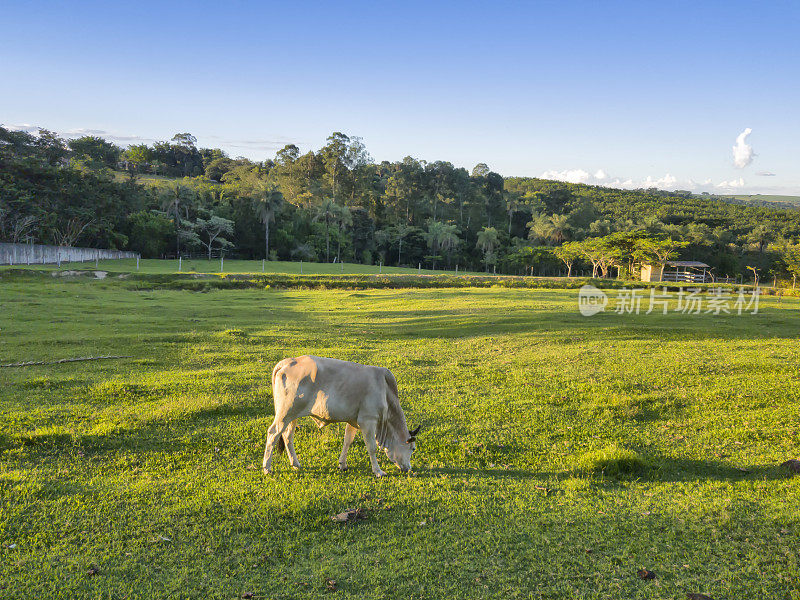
(335, 391)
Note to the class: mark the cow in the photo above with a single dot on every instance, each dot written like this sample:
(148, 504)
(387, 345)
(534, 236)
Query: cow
(337, 391)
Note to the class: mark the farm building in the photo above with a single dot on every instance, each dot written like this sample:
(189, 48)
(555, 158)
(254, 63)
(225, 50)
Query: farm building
(687, 271)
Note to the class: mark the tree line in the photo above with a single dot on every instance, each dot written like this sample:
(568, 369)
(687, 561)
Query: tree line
(338, 204)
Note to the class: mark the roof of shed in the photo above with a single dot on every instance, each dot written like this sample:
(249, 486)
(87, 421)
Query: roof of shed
(687, 263)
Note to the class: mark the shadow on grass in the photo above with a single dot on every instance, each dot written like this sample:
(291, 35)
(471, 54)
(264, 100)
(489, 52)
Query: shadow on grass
(654, 469)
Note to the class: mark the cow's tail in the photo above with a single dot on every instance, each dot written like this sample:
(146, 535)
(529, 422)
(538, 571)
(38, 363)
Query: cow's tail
(274, 373)
(280, 447)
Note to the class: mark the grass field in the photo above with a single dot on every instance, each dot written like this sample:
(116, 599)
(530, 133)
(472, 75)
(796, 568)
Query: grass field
(157, 266)
(559, 454)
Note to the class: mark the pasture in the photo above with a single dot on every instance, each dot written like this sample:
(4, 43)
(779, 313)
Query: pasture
(559, 454)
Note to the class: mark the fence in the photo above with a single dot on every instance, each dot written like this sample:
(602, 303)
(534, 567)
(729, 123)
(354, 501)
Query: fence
(35, 254)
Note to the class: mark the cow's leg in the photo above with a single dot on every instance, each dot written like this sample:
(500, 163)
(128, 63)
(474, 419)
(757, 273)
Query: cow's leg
(288, 439)
(349, 435)
(273, 437)
(368, 429)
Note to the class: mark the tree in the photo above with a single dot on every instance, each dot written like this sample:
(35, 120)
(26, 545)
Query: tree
(267, 201)
(598, 252)
(135, 159)
(174, 199)
(441, 237)
(334, 157)
(150, 232)
(480, 170)
(790, 255)
(625, 247)
(761, 235)
(540, 229)
(327, 212)
(568, 253)
(488, 238)
(70, 231)
(211, 230)
(658, 251)
(755, 274)
(559, 228)
(97, 149)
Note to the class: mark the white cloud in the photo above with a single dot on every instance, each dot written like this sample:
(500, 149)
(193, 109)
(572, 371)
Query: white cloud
(124, 140)
(600, 177)
(765, 173)
(571, 176)
(742, 151)
(732, 184)
(667, 182)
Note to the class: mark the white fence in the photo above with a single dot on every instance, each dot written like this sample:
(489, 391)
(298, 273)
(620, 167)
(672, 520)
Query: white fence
(35, 254)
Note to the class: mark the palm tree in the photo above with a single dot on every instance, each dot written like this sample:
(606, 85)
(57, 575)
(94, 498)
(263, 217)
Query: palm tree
(541, 229)
(327, 212)
(344, 218)
(513, 204)
(173, 199)
(559, 227)
(760, 235)
(487, 240)
(267, 201)
(441, 237)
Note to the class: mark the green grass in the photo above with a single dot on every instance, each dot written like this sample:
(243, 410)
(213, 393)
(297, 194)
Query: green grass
(559, 454)
(157, 266)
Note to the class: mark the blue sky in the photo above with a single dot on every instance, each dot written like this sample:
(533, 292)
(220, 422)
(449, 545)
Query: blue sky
(617, 93)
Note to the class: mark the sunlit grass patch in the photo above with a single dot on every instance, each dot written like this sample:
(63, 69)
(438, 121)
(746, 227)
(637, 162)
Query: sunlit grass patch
(558, 454)
(614, 461)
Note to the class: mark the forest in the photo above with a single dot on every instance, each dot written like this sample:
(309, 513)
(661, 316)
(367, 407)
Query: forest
(338, 204)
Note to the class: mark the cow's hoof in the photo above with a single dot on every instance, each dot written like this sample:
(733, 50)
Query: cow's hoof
(296, 467)
(343, 468)
(267, 471)
(380, 474)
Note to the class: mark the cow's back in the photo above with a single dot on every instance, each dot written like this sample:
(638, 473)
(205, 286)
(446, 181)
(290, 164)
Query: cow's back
(328, 388)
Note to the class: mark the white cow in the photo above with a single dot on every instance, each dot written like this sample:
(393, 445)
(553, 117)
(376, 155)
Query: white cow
(335, 391)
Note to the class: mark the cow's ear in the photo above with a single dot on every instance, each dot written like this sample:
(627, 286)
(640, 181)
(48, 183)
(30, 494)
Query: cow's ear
(414, 432)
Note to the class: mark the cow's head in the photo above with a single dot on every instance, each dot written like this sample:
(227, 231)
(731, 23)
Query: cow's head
(400, 451)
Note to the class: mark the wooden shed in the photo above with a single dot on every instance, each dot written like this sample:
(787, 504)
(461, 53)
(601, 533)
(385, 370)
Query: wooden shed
(685, 271)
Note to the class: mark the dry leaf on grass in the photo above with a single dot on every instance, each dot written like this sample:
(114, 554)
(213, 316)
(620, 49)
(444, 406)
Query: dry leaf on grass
(330, 584)
(350, 515)
(645, 574)
(93, 570)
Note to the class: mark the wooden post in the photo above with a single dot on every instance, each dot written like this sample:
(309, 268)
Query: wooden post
(775, 281)
(263, 260)
(301, 267)
(221, 263)
(342, 264)
(380, 267)
(137, 263)
(180, 258)
(456, 269)
(419, 268)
